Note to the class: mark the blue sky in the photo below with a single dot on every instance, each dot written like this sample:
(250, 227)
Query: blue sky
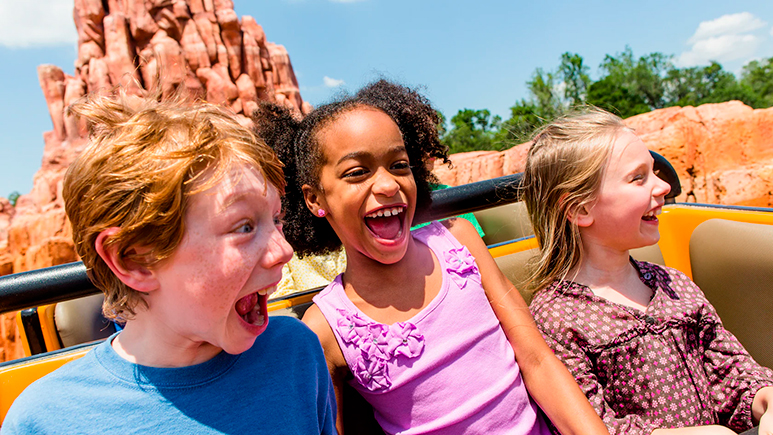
(465, 54)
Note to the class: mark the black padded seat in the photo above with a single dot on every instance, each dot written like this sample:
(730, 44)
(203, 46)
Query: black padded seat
(732, 262)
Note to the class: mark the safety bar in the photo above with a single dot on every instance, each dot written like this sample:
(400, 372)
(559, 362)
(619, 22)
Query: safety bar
(69, 281)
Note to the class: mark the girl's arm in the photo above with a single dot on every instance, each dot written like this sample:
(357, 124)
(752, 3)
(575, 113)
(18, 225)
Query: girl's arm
(335, 359)
(547, 380)
(762, 410)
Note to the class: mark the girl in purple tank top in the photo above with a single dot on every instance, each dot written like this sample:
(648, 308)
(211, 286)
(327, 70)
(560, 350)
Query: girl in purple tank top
(423, 325)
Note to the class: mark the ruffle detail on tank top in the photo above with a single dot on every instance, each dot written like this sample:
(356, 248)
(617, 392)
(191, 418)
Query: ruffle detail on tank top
(461, 267)
(378, 344)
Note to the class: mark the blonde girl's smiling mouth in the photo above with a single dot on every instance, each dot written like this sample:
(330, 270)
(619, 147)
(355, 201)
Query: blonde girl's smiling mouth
(652, 215)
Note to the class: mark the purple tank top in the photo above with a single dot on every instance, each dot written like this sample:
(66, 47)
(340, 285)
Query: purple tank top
(447, 370)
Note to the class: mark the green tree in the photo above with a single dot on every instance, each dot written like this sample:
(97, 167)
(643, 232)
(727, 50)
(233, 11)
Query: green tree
(709, 84)
(758, 76)
(551, 93)
(642, 78)
(615, 98)
(13, 197)
(542, 88)
(574, 75)
(472, 130)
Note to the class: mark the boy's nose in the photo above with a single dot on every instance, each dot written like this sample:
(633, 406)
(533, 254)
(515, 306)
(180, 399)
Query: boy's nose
(385, 183)
(278, 251)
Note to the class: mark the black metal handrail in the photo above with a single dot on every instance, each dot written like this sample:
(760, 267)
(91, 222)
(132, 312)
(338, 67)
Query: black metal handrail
(70, 281)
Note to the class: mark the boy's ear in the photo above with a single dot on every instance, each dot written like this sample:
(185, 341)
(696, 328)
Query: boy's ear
(580, 216)
(314, 201)
(131, 273)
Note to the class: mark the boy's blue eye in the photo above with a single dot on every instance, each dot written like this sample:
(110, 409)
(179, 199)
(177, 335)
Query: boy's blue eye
(245, 228)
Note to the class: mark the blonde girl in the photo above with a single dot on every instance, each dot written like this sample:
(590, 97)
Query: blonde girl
(642, 341)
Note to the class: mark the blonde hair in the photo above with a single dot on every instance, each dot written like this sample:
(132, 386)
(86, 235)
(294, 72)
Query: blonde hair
(564, 169)
(144, 160)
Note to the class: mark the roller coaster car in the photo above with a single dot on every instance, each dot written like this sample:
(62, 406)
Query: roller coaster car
(725, 249)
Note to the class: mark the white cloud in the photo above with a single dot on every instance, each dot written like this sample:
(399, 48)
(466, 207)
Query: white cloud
(727, 38)
(38, 23)
(332, 83)
(731, 24)
(721, 49)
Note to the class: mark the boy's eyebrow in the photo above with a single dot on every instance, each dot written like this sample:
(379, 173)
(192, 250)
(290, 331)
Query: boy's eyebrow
(233, 198)
(357, 154)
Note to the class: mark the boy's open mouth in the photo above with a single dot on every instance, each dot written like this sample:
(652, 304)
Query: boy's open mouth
(652, 215)
(253, 308)
(387, 222)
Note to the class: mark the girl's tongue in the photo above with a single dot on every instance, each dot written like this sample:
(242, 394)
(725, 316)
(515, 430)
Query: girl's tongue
(385, 227)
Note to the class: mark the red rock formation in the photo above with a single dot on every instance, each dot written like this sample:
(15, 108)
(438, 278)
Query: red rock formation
(201, 44)
(723, 153)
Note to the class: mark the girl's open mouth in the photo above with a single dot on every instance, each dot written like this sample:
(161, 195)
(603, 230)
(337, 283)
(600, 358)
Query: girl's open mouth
(386, 223)
(652, 216)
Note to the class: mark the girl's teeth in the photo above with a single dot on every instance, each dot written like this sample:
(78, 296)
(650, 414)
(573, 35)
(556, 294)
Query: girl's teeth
(386, 212)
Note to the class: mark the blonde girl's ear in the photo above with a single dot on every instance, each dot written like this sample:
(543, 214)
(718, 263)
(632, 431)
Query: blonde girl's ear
(581, 216)
(314, 201)
(131, 273)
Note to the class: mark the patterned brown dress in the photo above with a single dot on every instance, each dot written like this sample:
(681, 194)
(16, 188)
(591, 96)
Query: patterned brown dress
(673, 365)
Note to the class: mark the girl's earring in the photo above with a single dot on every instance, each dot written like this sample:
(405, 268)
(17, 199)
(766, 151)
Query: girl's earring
(321, 212)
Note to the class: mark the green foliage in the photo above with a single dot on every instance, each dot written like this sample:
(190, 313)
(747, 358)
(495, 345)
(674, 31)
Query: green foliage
(472, 130)
(615, 98)
(525, 118)
(13, 197)
(627, 86)
(642, 78)
(574, 74)
(710, 84)
(758, 76)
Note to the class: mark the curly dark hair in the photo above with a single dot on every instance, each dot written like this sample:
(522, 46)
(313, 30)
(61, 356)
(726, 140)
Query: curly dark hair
(295, 141)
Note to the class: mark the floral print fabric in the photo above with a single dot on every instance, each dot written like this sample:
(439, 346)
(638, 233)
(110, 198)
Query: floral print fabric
(461, 267)
(673, 365)
(378, 344)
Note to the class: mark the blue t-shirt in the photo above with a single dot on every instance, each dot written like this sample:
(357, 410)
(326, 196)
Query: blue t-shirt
(279, 386)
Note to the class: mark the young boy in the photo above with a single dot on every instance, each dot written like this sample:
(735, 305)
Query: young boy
(175, 210)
